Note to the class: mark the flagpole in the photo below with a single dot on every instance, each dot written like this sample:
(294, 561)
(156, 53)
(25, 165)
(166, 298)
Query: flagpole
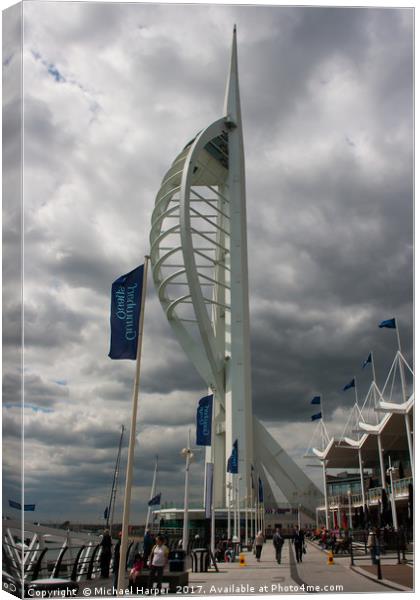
(238, 500)
(213, 495)
(373, 367)
(404, 393)
(397, 331)
(362, 478)
(152, 495)
(117, 474)
(229, 531)
(188, 456)
(235, 522)
(252, 514)
(132, 441)
(355, 390)
(379, 440)
(324, 471)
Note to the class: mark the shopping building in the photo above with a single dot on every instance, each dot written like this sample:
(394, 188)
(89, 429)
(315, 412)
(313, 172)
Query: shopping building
(368, 471)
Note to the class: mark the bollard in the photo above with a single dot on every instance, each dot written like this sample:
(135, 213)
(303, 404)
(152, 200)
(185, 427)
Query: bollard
(378, 562)
(330, 560)
(351, 553)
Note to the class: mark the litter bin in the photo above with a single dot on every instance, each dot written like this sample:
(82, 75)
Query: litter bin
(177, 561)
(200, 560)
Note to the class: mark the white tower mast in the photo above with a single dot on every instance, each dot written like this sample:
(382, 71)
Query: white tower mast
(238, 367)
(198, 249)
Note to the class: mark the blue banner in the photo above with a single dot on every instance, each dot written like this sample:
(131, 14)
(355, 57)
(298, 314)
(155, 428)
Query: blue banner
(367, 361)
(316, 416)
(204, 421)
(388, 323)
(18, 506)
(260, 491)
(316, 400)
(232, 464)
(125, 313)
(349, 385)
(155, 501)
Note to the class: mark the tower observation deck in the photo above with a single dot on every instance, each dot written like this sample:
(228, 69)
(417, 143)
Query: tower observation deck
(200, 270)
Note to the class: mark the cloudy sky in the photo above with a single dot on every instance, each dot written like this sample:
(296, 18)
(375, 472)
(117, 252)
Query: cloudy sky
(112, 93)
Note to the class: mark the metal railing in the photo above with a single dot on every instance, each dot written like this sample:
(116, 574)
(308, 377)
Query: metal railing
(373, 495)
(66, 562)
(388, 545)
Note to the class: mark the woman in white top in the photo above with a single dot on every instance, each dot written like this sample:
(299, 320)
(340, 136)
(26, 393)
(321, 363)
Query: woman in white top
(157, 561)
(259, 541)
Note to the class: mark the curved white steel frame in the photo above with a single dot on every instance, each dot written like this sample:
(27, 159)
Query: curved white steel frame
(188, 256)
(199, 265)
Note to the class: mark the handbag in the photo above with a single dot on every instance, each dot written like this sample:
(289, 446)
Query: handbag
(304, 549)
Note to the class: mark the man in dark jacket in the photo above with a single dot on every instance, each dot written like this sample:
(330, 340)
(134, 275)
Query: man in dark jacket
(105, 558)
(278, 542)
(299, 541)
(148, 543)
(116, 564)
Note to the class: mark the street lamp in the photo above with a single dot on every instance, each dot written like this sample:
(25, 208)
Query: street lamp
(350, 517)
(188, 455)
(390, 472)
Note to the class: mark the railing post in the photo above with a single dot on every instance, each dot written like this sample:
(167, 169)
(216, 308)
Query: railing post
(92, 560)
(73, 576)
(57, 566)
(38, 564)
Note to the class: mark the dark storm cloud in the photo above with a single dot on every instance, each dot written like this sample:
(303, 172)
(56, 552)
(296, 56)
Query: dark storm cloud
(38, 392)
(327, 110)
(49, 323)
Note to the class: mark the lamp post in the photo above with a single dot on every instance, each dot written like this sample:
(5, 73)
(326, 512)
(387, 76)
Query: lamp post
(390, 472)
(298, 515)
(246, 520)
(350, 517)
(188, 455)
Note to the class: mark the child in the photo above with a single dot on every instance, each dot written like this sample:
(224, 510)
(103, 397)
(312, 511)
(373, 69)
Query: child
(135, 572)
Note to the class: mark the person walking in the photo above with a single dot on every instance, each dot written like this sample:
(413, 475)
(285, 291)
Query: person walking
(278, 542)
(157, 561)
(259, 541)
(106, 553)
(298, 540)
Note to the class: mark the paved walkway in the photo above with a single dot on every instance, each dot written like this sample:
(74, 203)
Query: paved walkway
(402, 575)
(269, 578)
(315, 571)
